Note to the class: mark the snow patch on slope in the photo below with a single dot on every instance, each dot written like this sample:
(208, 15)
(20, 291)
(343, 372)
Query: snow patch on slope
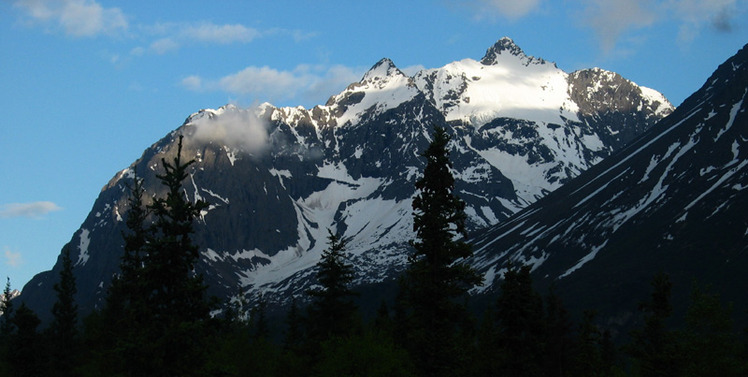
(84, 241)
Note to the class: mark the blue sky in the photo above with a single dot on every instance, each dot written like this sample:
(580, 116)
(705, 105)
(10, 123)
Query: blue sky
(87, 85)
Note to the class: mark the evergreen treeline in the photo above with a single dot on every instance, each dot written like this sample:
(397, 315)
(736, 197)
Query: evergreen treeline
(157, 318)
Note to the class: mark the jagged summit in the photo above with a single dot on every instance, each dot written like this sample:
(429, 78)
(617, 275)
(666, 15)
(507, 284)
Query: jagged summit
(506, 47)
(382, 69)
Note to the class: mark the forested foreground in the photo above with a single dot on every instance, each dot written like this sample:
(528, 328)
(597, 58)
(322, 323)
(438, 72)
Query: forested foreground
(159, 321)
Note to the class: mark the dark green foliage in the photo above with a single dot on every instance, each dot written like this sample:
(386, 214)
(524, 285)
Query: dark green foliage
(128, 289)
(294, 335)
(175, 293)
(436, 280)
(6, 306)
(332, 311)
(654, 348)
(558, 338)
(367, 355)
(26, 350)
(124, 324)
(63, 332)
(520, 324)
(258, 320)
(709, 343)
(6, 328)
(155, 322)
(588, 354)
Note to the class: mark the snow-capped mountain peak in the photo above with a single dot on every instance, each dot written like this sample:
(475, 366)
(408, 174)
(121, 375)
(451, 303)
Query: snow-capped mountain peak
(382, 70)
(477, 92)
(383, 87)
(505, 48)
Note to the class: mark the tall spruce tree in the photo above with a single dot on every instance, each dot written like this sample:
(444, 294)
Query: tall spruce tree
(126, 319)
(332, 310)
(520, 323)
(710, 344)
(558, 340)
(176, 293)
(158, 306)
(26, 355)
(654, 347)
(127, 288)
(6, 329)
(436, 280)
(6, 306)
(63, 331)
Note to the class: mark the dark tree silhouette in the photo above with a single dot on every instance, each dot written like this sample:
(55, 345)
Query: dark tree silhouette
(157, 309)
(332, 311)
(436, 280)
(654, 347)
(63, 331)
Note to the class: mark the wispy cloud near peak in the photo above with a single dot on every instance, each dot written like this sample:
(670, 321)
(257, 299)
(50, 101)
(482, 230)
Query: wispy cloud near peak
(305, 82)
(31, 210)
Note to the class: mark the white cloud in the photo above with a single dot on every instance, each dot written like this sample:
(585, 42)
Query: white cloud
(511, 9)
(194, 83)
(78, 18)
(32, 210)
(263, 80)
(164, 45)
(224, 34)
(236, 128)
(305, 82)
(13, 259)
(611, 19)
(694, 15)
(172, 36)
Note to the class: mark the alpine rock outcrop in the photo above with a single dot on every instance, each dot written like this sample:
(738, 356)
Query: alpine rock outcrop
(278, 178)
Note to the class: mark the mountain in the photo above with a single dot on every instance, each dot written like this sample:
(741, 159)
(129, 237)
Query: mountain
(674, 200)
(278, 178)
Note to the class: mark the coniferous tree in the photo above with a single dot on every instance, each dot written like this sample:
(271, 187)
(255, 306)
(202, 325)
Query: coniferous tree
(259, 322)
(63, 331)
(654, 347)
(121, 330)
(6, 329)
(709, 343)
(332, 311)
(588, 358)
(520, 324)
(157, 309)
(435, 279)
(26, 355)
(558, 339)
(294, 334)
(176, 293)
(126, 291)
(383, 323)
(6, 306)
